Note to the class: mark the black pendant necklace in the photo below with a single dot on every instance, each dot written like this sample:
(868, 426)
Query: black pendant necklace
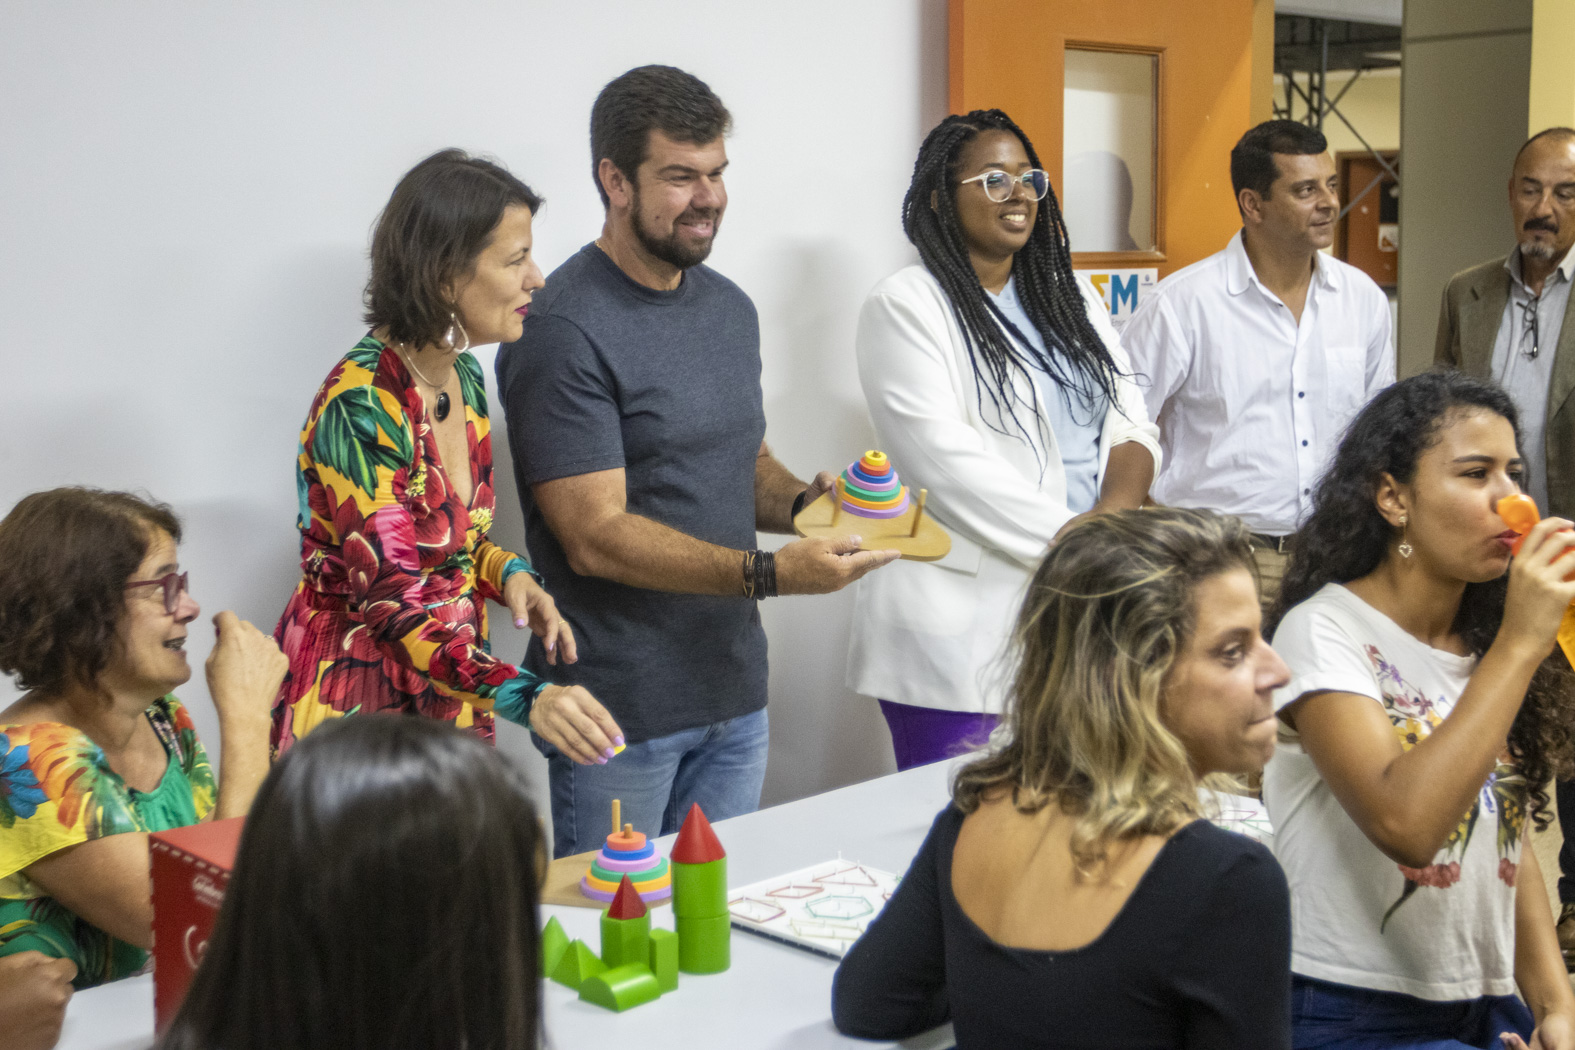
(442, 398)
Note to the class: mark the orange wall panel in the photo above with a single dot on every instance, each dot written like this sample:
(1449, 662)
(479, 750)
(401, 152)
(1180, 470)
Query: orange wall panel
(1007, 54)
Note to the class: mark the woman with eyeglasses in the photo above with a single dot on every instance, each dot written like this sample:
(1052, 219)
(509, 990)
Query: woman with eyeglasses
(995, 380)
(395, 481)
(94, 618)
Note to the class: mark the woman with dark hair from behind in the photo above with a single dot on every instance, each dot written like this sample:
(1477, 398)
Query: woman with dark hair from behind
(385, 895)
(94, 620)
(1426, 714)
(996, 381)
(1070, 896)
(394, 475)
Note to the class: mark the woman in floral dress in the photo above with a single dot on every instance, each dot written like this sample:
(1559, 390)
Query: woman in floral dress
(394, 476)
(1426, 713)
(94, 616)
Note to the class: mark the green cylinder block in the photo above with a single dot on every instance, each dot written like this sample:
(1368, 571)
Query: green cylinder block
(705, 944)
(625, 940)
(700, 890)
(621, 987)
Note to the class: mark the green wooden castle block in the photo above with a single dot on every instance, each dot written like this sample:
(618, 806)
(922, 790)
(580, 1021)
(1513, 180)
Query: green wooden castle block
(621, 987)
(626, 941)
(578, 965)
(700, 890)
(704, 944)
(664, 959)
(554, 942)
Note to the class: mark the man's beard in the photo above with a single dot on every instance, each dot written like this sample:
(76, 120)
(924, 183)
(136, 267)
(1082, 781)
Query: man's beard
(1531, 248)
(1536, 250)
(671, 249)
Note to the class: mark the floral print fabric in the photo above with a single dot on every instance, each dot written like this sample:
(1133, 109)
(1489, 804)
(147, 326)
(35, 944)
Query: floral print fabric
(389, 614)
(56, 791)
(1504, 797)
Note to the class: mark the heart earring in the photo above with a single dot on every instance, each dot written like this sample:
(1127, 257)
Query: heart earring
(1406, 550)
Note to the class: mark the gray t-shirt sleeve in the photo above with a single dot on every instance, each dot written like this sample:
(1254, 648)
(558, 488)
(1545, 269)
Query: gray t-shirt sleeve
(560, 403)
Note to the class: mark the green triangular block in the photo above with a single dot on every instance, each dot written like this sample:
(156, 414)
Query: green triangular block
(554, 942)
(621, 987)
(578, 964)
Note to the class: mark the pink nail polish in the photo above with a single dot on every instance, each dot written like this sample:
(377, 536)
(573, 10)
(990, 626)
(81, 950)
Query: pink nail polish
(519, 623)
(600, 760)
(618, 740)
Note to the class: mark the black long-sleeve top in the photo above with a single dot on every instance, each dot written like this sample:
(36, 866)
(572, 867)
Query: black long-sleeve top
(1199, 956)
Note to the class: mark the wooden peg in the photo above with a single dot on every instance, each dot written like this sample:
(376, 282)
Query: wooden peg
(617, 808)
(918, 514)
(836, 501)
(628, 829)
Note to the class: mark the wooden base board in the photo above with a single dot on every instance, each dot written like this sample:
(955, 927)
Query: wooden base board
(562, 885)
(931, 544)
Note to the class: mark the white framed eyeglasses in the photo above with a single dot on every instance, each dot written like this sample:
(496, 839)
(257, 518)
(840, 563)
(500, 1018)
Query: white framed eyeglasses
(998, 185)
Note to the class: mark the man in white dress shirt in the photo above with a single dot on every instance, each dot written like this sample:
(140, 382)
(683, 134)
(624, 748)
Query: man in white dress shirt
(1253, 360)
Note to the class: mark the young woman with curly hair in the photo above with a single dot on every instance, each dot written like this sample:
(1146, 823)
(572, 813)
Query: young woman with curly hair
(1070, 896)
(1424, 719)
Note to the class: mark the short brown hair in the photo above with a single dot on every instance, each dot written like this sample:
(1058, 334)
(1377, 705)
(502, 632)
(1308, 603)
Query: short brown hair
(651, 98)
(437, 222)
(65, 556)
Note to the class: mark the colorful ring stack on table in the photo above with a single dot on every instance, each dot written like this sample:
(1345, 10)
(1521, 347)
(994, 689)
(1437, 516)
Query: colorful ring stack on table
(628, 852)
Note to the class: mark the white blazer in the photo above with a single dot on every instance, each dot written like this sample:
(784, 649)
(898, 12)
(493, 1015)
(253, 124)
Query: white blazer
(931, 634)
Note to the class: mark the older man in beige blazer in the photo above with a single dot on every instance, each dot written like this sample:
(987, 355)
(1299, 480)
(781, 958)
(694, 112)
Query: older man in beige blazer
(1509, 320)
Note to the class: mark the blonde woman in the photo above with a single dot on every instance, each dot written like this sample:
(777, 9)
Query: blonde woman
(1071, 895)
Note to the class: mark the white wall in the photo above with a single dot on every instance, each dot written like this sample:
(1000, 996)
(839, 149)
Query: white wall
(186, 191)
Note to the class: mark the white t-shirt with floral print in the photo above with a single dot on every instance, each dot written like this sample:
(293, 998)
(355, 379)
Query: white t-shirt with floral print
(1442, 932)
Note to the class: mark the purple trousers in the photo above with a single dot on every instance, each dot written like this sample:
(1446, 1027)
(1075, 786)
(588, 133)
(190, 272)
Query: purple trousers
(921, 735)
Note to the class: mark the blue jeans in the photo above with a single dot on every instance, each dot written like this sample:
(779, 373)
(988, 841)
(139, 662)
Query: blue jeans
(721, 766)
(1327, 1016)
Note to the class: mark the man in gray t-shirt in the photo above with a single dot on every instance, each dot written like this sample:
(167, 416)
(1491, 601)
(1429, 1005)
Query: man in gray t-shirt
(635, 419)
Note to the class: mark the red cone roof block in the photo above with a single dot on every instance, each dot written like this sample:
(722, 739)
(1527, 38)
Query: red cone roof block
(697, 843)
(626, 903)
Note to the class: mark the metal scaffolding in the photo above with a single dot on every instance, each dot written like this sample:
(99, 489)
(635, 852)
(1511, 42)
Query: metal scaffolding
(1307, 50)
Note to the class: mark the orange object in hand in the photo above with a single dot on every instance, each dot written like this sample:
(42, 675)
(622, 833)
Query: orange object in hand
(1520, 514)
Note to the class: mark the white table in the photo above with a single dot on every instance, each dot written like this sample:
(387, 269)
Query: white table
(774, 996)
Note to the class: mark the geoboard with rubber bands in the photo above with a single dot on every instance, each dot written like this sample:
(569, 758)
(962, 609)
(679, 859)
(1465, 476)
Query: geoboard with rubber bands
(824, 908)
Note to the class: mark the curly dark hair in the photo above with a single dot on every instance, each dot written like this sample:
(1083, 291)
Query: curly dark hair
(1075, 356)
(65, 556)
(434, 226)
(1346, 538)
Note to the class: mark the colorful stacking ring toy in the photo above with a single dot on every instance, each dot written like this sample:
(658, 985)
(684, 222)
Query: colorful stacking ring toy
(628, 853)
(871, 488)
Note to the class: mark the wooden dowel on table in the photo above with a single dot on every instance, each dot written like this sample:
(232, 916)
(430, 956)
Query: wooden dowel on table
(836, 501)
(918, 514)
(617, 815)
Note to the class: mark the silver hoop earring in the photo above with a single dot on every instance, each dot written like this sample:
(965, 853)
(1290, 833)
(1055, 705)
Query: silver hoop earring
(448, 336)
(1406, 550)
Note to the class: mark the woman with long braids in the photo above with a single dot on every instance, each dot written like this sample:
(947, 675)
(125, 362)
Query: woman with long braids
(1426, 713)
(995, 380)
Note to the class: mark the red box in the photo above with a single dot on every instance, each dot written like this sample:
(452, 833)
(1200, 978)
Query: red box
(191, 868)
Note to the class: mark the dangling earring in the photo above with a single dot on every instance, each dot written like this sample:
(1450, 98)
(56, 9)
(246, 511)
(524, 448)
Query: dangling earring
(448, 336)
(1406, 550)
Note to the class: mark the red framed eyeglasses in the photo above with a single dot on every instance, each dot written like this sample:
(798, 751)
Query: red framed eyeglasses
(174, 585)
